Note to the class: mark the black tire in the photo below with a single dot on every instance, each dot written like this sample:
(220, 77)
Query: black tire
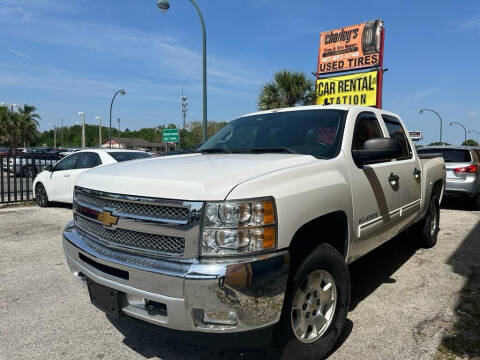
(430, 225)
(328, 259)
(41, 196)
(370, 45)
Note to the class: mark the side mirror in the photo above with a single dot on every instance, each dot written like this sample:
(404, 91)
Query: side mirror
(48, 168)
(378, 149)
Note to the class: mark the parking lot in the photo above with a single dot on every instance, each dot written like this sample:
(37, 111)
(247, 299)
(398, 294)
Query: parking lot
(403, 298)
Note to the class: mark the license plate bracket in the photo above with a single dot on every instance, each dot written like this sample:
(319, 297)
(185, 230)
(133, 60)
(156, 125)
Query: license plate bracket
(105, 298)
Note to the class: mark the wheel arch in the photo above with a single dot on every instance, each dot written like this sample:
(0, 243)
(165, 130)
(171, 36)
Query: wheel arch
(437, 189)
(331, 228)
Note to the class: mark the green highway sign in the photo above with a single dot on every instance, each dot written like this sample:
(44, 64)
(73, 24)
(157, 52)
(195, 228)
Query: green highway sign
(170, 135)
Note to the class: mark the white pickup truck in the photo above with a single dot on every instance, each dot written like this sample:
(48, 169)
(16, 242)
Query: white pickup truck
(252, 234)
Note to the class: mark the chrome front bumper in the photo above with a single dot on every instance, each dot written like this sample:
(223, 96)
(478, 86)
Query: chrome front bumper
(225, 295)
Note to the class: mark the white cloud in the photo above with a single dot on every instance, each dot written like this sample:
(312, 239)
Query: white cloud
(161, 55)
(471, 22)
(20, 54)
(14, 14)
(472, 114)
(420, 94)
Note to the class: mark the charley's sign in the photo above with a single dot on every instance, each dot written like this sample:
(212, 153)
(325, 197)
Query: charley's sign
(352, 47)
(353, 89)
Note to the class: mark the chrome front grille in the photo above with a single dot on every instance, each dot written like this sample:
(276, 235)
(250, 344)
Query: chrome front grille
(139, 225)
(134, 208)
(133, 239)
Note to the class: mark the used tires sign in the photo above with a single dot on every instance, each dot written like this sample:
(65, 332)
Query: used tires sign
(352, 47)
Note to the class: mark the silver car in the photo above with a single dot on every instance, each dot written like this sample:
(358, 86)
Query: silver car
(463, 166)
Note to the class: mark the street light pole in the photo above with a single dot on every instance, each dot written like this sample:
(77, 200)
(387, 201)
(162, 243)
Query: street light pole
(439, 117)
(164, 5)
(121, 92)
(99, 119)
(82, 114)
(464, 128)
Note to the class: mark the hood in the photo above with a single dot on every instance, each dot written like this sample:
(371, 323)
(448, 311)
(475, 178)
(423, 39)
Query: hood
(186, 177)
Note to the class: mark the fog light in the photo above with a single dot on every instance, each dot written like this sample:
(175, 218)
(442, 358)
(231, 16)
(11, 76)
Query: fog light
(221, 317)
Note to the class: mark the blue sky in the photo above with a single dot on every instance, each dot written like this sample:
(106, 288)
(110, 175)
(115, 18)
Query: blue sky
(69, 56)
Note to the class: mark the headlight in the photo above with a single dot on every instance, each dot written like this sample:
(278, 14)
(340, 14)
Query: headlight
(239, 227)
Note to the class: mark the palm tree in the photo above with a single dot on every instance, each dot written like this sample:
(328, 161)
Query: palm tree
(286, 90)
(9, 128)
(28, 123)
(16, 127)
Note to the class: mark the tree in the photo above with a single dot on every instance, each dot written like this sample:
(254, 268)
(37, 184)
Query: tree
(286, 90)
(10, 128)
(28, 123)
(470, 142)
(436, 143)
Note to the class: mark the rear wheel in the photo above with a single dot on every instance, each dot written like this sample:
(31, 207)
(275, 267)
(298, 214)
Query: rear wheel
(430, 225)
(316, 306)
(41, 196)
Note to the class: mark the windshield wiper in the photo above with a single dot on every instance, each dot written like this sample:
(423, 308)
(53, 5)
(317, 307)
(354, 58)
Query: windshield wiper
(279, 149)
(213, 151)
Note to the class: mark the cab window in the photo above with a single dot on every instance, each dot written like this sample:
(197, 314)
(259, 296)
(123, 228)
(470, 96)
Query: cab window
(396, 131)
(367, 127)
(67, 163)
(88, 160)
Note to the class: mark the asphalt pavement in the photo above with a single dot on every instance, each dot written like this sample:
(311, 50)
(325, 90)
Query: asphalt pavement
(402, 297)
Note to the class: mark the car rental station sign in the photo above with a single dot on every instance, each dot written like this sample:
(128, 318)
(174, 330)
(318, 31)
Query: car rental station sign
(355, 89)
(351, 48)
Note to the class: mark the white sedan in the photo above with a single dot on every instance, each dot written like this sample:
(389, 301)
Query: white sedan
(55, 183)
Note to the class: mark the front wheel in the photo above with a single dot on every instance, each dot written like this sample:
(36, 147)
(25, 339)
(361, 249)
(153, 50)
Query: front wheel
(316, 306)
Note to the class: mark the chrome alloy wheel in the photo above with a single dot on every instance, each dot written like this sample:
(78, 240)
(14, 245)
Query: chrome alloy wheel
(313, 306)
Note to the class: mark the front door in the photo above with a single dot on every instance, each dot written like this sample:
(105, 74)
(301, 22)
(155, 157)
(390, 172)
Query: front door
(58, 186)
(374, 194)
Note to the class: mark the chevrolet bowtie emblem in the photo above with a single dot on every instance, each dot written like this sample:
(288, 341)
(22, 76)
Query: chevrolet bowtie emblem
(107, 219)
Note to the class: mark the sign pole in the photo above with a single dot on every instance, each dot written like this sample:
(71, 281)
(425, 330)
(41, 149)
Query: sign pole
(380, 70)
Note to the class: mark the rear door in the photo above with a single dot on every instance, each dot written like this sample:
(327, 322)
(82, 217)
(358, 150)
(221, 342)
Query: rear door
(407, 167)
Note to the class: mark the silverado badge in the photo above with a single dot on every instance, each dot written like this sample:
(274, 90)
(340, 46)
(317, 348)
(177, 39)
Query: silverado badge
(107, 219)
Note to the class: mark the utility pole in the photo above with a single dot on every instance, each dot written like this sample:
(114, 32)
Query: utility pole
(82, 114)
(119, 126)
(62, 134)
(184, 108)
(52, 126)
(99, 118)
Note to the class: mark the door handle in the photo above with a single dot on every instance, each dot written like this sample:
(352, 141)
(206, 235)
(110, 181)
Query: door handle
(417, 173)
(66, 175)
(393, 178)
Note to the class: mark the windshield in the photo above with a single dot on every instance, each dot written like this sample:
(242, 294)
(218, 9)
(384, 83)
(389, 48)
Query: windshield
(311, 132)
(449, 155)
(126, 156)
